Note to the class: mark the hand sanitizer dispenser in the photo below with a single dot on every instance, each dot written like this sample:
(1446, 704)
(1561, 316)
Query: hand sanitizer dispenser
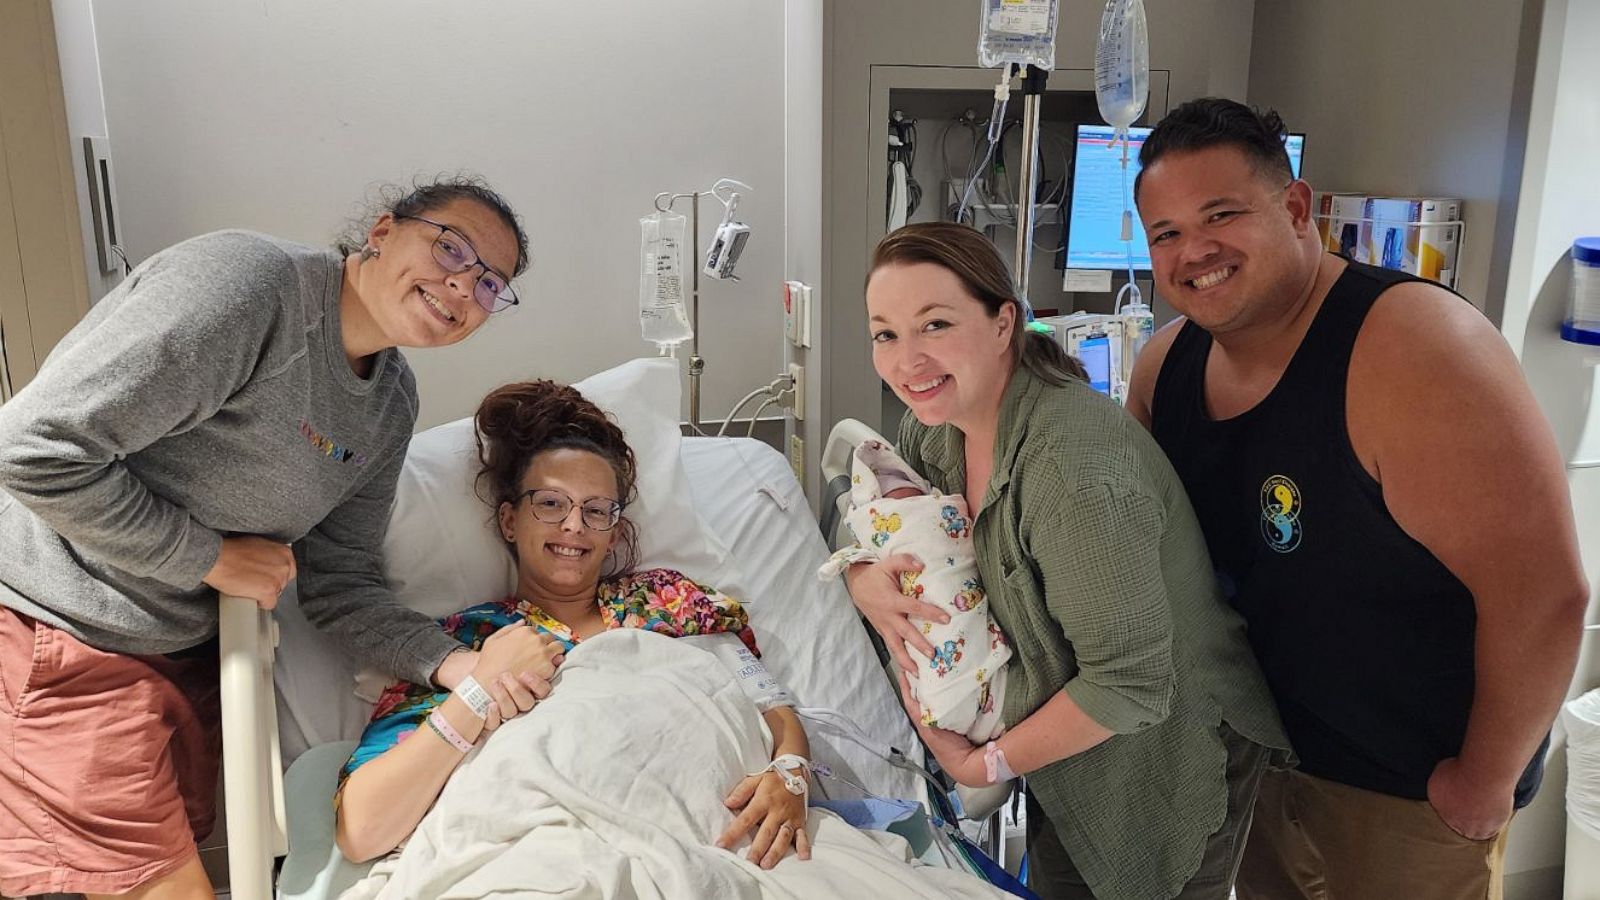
(1582, 325)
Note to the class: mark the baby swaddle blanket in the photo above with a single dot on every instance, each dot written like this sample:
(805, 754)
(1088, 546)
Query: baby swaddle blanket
(961, 687)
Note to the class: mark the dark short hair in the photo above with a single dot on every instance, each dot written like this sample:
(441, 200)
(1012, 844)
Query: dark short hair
(428, 195)
(1218, 122)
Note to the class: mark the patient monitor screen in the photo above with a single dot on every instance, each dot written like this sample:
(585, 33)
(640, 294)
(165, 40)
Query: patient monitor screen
(1095, 354)
(1094, 229)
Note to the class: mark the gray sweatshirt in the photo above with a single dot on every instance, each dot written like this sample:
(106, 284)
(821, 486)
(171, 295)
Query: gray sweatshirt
(209, 395)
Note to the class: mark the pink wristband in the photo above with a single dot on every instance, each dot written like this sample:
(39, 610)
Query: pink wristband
(442, 727)
(994, 764)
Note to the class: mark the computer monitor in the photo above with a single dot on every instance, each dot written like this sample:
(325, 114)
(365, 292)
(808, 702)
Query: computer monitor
(1094, 223)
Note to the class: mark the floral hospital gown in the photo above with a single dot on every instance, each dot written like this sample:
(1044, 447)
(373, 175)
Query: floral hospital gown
(658, 600)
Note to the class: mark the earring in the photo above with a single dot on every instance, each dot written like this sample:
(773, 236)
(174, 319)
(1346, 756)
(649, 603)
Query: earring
(368, 251)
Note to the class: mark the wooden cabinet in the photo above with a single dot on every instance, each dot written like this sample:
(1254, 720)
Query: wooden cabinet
(43, 286)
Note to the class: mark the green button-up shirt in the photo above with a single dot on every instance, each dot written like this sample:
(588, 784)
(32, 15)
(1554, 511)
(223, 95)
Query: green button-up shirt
(1097, 571)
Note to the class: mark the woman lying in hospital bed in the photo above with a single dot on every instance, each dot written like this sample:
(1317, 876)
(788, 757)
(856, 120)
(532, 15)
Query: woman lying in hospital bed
(618, 780)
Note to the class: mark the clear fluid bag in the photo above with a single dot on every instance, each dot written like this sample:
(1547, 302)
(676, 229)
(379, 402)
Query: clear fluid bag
(663, 318)
(1020, 32)
(1122, 63)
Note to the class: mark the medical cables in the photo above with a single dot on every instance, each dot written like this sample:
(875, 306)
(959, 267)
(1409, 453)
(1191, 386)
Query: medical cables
(1002, 94)
(1000, 204)
(776, 391)
(904, 192)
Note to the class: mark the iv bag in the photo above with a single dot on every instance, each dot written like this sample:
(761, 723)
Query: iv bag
(663, 319)
(1122, 64)
(1020, 32)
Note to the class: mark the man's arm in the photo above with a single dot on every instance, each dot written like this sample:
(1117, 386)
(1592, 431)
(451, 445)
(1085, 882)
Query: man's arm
(1440, 414)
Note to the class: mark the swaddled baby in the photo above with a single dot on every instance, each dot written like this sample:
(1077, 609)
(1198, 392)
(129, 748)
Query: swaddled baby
(894, 510)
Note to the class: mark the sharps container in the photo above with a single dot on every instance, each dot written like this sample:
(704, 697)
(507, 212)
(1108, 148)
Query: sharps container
(1582, 324)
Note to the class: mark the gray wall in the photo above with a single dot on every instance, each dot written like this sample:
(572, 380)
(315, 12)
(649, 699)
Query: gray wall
(279, 115)
(1402, 98)
(1205, 44)
(803, 47)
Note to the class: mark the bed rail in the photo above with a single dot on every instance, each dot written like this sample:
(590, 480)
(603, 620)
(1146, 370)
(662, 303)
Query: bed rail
(836, 456)
(251, 764)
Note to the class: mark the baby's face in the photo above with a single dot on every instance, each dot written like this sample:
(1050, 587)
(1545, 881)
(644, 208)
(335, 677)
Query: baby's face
(900, 493)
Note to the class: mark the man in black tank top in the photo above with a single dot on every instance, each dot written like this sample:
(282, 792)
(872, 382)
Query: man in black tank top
(1384, 503)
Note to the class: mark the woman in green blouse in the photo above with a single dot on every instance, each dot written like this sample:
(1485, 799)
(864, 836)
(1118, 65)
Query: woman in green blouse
(1133, 705)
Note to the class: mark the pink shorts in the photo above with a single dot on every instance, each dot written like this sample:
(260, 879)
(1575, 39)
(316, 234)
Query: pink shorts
(108, 762)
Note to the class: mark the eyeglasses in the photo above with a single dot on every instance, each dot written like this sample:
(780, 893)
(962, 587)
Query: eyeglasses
(552, 508)
(455, 254)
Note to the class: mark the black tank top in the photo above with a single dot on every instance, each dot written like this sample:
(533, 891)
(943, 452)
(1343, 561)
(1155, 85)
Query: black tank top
(1366, 639)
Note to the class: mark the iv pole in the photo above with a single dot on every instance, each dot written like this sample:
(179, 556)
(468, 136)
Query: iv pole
(697, 363)
(1033, 79)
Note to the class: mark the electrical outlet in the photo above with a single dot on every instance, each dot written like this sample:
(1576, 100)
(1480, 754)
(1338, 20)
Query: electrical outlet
(797, 374)
(797, 457)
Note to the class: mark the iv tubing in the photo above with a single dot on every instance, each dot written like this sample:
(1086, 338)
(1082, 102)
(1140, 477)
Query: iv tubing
(1002, 93)
(1127, 236)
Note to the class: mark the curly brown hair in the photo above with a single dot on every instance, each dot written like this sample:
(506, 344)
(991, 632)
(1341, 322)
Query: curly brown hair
(519, 421)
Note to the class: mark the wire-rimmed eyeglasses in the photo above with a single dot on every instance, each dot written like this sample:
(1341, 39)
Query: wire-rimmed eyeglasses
(552, 507)
(455, 254)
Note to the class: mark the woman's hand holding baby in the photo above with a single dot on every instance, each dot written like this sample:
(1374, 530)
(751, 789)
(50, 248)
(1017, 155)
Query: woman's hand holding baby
(875, 589)
(516, 666)
(957, 756)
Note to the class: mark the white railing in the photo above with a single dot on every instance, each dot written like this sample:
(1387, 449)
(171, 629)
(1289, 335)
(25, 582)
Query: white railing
(251, 765)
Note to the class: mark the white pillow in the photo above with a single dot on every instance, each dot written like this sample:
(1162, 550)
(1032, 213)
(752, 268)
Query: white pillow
(443, 551)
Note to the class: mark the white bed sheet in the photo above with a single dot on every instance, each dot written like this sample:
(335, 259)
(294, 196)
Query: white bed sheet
(808, 630)
(810, 633)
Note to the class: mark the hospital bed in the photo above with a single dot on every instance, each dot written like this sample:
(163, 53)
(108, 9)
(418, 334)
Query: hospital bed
(278, 706)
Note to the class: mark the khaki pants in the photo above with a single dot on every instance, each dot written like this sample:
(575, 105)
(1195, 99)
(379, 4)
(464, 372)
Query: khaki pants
(1052, 875)
(1315, 839)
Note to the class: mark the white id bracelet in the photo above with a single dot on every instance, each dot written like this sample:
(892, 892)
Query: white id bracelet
(794, 784)
(474, 696)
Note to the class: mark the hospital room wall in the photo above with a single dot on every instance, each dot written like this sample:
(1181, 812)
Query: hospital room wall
(803, 76)
(1205, 44)
(279, 116)
(1405, 99)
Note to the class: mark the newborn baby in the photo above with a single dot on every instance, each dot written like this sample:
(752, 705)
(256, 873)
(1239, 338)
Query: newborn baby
(893, 510)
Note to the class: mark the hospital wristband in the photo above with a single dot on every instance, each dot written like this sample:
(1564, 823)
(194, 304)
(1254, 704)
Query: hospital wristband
(474, 696)
(994, 764)
(447, 732)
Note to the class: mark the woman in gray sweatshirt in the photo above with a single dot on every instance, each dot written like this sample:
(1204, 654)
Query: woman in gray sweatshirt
(233, 415)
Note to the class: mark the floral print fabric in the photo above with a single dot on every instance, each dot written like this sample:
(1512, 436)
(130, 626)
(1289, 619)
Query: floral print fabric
(659, 600)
